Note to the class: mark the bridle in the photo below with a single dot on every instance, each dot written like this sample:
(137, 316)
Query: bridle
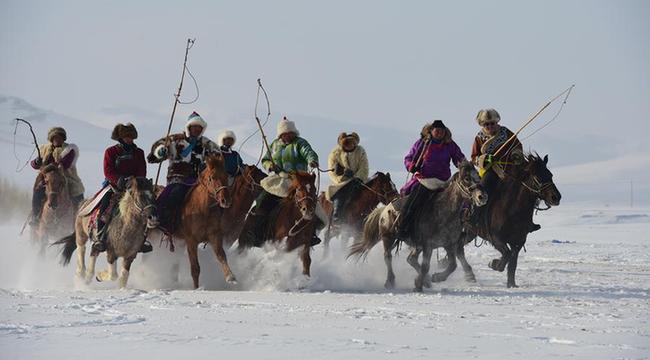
(383, 197)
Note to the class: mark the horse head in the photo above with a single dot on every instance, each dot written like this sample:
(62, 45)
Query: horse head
(55, 184)
(303, 193)
(253, 174)
(140, 195)
(216, 179)
(539, 179)
(469, 183)
(384, 187)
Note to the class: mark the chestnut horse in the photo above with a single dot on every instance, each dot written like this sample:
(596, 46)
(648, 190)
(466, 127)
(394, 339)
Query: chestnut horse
(57, 217)
(295, 219)
(509, 211)
(378, 189)
(206, 202)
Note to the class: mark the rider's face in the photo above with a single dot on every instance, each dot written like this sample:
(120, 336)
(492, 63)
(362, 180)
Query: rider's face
(228, 142)
(438, 133)
(288, 137)
(57, 140)
(490, 127)
(195, 130)
(128, 140)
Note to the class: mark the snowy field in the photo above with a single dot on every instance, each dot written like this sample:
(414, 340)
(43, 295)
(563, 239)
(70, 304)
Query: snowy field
(584, 293)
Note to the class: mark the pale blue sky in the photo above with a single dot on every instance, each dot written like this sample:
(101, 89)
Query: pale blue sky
(393, 64)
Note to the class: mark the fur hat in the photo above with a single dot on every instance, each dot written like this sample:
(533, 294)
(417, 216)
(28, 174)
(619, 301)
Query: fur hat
(285, 125)
(56, 131)
(438, 124)
(426, 131)
(226, 134)
(195, 119)
(352, 136)
(120, 131)
(486, 115)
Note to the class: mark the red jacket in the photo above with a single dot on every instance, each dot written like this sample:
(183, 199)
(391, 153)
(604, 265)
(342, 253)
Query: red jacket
(119, 163)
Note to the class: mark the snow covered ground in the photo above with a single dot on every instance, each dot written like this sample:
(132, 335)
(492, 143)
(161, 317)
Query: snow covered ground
(585, 291)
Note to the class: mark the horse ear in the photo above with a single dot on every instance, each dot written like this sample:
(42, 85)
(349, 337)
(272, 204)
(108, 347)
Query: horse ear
(388, 175)
(545, 159)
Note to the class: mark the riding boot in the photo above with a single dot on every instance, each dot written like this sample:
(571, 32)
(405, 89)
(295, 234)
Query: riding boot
(146, 247)
(407, 211)
(99, 240)
(336, 205)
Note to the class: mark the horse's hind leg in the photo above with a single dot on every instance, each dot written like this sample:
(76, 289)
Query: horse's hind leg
(81, 240)
(306, 260)
(90, 271)
(388, 260)
(442, 276)
(126, 269)
(421, 279)
(195, 268)
(111, 273)
(217, 247)
(460, 255)
(512, 266)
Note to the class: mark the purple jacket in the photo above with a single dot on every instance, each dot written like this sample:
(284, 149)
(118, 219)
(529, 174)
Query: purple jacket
(434, 163)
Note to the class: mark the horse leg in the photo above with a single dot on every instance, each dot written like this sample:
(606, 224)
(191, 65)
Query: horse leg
(460, 255)
(421, 279)
(442, 276)
(388, 259)
(111, 273)
(90, 272)
(500, 264)
(126, 268)
(193, 254)
(223, 261)
(81, 239)
(512, 266)
(306, 260)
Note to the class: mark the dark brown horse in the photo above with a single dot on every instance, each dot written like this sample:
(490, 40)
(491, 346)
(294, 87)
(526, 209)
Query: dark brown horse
(295, 219)
(378, 189)
(206, 202)
(244, 190)
(509, 211)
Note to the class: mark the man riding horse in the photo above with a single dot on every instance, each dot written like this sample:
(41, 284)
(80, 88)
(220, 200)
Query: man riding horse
(186, 153)
(428, 160)
(289, 153)
(64, 155)
(122, 161)
(349, 164)
(234, 163)
(489, 139)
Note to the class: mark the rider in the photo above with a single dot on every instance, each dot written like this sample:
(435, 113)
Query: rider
(234, 163)
(289, 153)
(121, 162)
(488, 140)
(349, 164)
(64, 155)
(428, 160)
(186, 153)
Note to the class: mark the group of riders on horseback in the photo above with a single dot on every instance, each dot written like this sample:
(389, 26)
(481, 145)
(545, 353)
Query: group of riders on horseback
(428, 160)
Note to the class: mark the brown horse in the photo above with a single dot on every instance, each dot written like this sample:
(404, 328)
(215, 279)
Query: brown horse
(378, 189)
(206, 202)
(509, 211)
(295, 218)
(244, 190)
(57, 217)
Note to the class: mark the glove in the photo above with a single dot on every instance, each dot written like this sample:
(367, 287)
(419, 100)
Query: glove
(276, 169)
(121, 183)
(314, 164)
(485, 161)
(38, 161)
(339, 170)
(413, 169)
(348, 173)
(517, 158)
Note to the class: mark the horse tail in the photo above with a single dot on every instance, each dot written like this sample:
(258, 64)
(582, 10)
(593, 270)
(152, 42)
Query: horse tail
(370, 235)
(69, 246)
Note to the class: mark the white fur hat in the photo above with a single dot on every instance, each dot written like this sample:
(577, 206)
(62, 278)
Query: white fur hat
(485, 115)
(226, 134)
(285, 125)
(195, 119)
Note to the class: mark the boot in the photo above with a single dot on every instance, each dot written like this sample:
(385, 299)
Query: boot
(533, 227)
(315, 240)
(99, 241)
(336, 205)
(146, 247)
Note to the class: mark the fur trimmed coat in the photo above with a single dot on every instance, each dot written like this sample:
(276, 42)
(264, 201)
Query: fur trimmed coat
(186, 157)
(66, 156)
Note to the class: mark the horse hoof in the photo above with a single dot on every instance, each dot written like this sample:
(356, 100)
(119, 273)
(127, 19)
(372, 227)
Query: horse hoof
(494, 264)
(512, 286)
(417, 289)
(231, 280)
(470, 278)
(389, 284)
(98, 279)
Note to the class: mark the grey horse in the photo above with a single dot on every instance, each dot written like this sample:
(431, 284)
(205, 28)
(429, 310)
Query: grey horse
(439, 224)
(126, 233)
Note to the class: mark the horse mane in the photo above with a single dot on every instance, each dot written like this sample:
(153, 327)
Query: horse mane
(49, 168)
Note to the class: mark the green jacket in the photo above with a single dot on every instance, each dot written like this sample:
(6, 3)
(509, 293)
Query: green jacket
(291, 157)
